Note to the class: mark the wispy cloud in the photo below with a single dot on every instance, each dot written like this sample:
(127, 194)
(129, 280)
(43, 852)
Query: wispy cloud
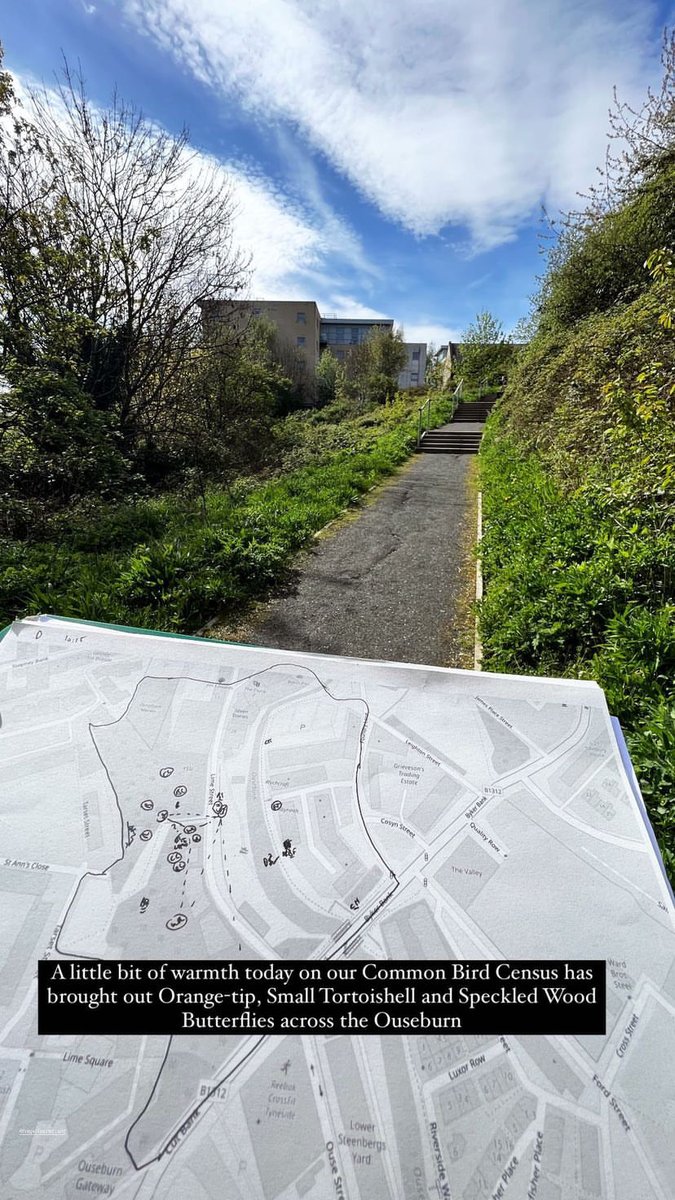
(303, 181)
(298, 248)
(295, 245)
(476, 283)
(283, 245)
(438, 111)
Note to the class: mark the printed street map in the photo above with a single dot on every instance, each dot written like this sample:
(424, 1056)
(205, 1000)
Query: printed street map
(168, 799)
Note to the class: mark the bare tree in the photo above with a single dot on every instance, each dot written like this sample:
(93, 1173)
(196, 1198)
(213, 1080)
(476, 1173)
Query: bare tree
(130, 230)
(6, 89)
(641, 143)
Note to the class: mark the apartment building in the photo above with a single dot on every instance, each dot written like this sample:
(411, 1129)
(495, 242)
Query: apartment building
(301, 326)
(297, 321)
(414, 371)
(341, 334)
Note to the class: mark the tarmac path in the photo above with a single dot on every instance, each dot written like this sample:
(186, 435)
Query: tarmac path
(395, 582)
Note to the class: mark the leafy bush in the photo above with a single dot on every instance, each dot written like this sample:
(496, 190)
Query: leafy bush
(579, 541)
(601, 265)
(160, 563)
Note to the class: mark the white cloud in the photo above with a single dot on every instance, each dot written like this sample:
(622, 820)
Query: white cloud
(292, 244)
(282, 243)
(431, 331)
(348, 306)
(438, 111)
(297, 249)
(337, 234)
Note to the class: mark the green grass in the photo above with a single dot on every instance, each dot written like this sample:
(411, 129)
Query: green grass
(163, 563)
(576, 586)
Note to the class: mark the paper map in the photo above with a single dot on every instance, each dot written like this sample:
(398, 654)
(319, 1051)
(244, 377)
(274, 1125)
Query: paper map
(168, 799)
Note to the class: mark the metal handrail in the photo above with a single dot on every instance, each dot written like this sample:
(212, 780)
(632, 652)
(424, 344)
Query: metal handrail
(456, 398)
(427, 405)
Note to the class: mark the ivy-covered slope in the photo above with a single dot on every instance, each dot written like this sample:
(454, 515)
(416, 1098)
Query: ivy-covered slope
(578, 475)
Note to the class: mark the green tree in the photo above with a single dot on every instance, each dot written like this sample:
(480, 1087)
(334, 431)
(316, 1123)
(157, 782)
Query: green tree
(524, 329)
(299, 388)
(372, 368)
(486, 351)
(329, 375)
(231, 390)
(436, 367)
(599, 263)
(388, 356)
(6, 89)
(596, 257)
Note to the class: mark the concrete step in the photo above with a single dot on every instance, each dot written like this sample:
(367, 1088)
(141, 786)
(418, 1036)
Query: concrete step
(439, 438)
(472, 412)
(475, 404)
(450, 443)
(463, 449)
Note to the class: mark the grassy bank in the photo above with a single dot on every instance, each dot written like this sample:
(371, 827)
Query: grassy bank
(578, 462)
(578, 583)
(169, 563)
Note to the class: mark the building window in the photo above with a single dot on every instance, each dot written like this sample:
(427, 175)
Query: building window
(300, 318)
(414, 376)
(300, 341)
(416, 356)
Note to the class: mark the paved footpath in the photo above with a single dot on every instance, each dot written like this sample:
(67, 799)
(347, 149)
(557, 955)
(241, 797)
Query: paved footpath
(389, 584)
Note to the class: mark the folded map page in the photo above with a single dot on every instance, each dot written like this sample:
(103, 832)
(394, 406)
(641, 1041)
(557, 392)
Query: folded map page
(425, 814)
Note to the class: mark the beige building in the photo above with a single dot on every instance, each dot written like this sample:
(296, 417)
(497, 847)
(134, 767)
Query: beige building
(451, 358)
(297, 321)
(301, 326)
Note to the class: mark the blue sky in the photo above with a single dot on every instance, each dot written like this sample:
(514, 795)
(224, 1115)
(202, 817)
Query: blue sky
(385, 157)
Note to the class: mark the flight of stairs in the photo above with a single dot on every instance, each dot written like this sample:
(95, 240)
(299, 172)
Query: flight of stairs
(473, 410)
(446, 441)
(458, 437)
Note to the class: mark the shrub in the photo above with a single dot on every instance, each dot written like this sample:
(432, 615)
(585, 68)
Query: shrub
(158, 563)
